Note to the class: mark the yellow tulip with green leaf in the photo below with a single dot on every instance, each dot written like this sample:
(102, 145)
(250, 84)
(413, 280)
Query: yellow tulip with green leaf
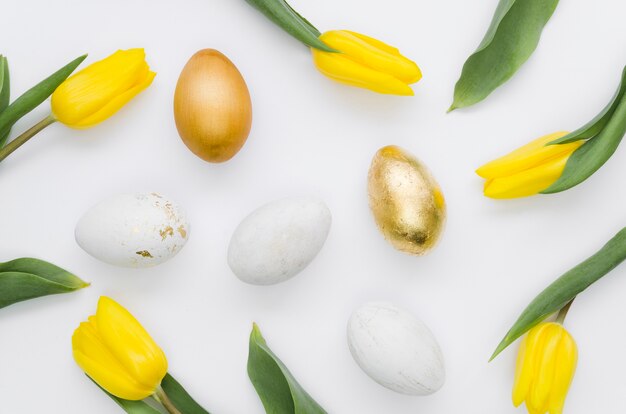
(83, 100)
(118, 354)
(548, 355)
(527, 170)
(347, 57)
(559, 161)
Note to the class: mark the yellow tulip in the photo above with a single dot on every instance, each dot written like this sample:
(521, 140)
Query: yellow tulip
(118, 354)
(366, 63)
(545, 368)
(527, 170)
(101, 89)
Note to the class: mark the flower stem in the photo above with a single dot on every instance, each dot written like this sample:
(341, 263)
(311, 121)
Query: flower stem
(162, 397)
(22, 139)
(560, 318)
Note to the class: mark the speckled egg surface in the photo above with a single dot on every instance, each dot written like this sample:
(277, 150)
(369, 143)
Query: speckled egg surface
(133, 230)
(396, 349)
(278, 240)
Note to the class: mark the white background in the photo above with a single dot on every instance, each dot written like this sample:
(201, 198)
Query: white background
(313, 136)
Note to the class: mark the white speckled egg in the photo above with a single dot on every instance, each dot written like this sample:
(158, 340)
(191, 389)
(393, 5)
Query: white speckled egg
(396, 349)
(133, 230)
(278, 240)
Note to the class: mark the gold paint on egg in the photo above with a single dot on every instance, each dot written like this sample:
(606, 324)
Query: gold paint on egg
(407, 203)
(212, 106)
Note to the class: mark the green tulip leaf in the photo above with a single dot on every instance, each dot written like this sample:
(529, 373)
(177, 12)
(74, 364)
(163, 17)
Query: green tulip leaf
(607, 130)
(281, 13)
(597, 124)
(179, 397)
(134, 407)
(5, 95)
(510, 40)
(32, 98)
(28, 278)
(279, 391)
(131, 407)
(567, 287)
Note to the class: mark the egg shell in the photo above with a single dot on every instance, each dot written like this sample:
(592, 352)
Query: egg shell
(396, 349)
(212, 106)
(278, 240)
(406, 201)
(133, 230)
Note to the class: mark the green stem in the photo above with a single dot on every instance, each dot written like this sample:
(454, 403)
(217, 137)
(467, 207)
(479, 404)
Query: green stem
(162, 397)
(560, 318)
(22, 139)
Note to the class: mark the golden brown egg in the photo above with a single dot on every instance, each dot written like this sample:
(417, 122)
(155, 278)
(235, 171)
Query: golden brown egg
(407, 203)
(212, 106)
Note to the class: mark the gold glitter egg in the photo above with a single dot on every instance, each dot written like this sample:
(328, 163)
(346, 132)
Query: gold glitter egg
(406, 201)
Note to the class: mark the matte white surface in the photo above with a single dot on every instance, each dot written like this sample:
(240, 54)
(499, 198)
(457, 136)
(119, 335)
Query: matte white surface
(278, 240)
(396, 349)
(313, 136)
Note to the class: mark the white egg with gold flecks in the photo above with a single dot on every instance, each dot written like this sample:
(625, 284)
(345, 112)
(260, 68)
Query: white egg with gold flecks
(133, 230)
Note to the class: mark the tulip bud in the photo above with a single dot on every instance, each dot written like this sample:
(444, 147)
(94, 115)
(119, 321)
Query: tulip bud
(527, 170)
(545, 368)
(118, 354)
(366, 63)
(101, 89)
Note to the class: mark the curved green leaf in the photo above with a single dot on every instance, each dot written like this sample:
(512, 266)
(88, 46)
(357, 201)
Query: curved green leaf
(131, 407)
(281, 13)
(592, 155)
(134, 407)
(28, 278)
(510, 40)
(593, 127)
(180, 398)
(5, 95)
(567, 287)
(279, 391)
(32, 98)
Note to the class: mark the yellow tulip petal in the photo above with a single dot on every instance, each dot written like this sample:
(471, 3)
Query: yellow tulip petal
(131, 345)
(567, 359)
(130, 342)
(526, 367)
(89, 91)
(528, 182)
(528, 156)
(117, 353)
(373, 54)
(545, 368)
(115, 104)
(376, 43)
(521, 382)
(340, 68)
(99, 364)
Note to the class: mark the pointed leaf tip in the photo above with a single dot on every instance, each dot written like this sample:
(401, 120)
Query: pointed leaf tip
(29, 278)
(566, 288)
(511, 38)
(277, 388)
(33, 97)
